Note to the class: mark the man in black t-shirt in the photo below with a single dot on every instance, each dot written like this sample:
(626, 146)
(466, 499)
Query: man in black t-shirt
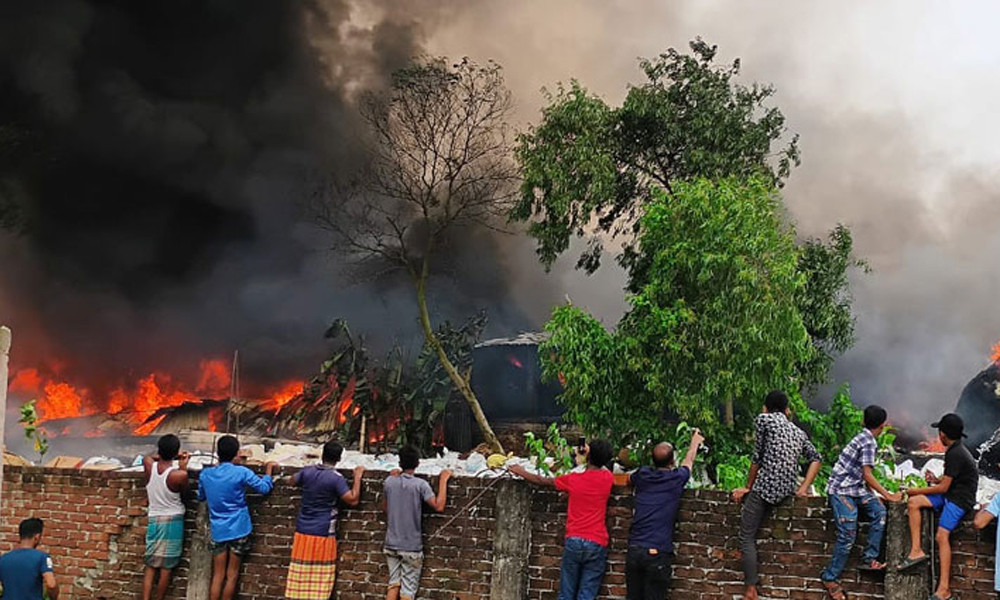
(953, 495)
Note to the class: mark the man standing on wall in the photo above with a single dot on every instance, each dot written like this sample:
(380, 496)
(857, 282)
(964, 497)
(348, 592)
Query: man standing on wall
(774, 473)
(851, 490)
(165, 532)
(26, 571)
(585, 553)
(658, 492)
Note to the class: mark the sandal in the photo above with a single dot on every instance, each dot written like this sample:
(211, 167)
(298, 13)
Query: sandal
(908, 563)
(835, 592)
(934, 596)
(872, 566)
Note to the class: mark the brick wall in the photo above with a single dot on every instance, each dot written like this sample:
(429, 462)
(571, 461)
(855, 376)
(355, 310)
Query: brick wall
(95, 527)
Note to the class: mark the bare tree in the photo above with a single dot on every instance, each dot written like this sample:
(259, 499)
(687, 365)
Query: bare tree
(440, 160)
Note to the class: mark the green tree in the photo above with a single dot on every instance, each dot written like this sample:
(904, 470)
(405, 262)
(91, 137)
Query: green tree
(715, 327)
(591, 170)
(590, 164)
(825, 301)
(440, 161)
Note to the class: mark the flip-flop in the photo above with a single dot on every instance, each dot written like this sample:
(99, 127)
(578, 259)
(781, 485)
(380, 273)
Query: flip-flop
(908, 563)
(835, 591)
(934, 596)
(872, 566)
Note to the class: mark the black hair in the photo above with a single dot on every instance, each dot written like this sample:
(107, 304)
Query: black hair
(168, 446)
(600, 453)
(227, 448)
(409, 458)
(875, 417)
(332, 451)
(776, 402)
(29, 528)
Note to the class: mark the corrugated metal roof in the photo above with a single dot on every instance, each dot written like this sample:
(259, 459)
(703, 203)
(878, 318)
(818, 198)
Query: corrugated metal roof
(527, 338)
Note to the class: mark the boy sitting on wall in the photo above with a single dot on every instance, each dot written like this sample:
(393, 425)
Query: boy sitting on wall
(952, 496)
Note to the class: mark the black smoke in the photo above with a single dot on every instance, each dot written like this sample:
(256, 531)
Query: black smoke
(161, 153)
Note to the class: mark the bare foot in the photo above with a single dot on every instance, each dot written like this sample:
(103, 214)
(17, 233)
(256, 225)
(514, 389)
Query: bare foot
(751, 593)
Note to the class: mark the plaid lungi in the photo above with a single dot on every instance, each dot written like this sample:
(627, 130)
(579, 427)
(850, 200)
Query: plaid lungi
(313, 569)
(164, 541)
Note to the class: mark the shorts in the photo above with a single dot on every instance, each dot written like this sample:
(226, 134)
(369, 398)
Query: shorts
(950, 513)
(404, 572)
(239, 546)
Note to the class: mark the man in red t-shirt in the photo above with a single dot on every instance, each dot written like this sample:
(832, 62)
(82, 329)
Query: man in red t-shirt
(585, 553)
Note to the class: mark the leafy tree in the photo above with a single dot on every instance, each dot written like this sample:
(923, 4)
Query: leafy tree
(715, 326)
(825, 301)
(440, 161)
(589, 169)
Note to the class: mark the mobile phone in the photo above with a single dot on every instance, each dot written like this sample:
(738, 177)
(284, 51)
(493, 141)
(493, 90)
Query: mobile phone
(581, 444)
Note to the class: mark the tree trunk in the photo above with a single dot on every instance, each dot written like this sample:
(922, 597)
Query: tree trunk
(460, 382)
(730, 417)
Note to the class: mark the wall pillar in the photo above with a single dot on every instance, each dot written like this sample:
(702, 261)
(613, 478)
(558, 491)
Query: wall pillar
(200, 556)
(915, 583)
(511, 541)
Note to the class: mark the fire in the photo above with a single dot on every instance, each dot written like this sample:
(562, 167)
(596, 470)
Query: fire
(995, 355)
(134, 403)
(934, 446)
(285, 394)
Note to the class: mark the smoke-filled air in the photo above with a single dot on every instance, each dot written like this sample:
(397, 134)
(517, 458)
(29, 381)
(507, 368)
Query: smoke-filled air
(163, 158)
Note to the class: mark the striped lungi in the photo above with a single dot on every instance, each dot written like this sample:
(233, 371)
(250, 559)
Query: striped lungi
(164, 541)
(313, 569)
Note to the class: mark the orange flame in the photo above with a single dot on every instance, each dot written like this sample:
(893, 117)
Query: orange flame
(285, 394)
(135, 403)
(995, 355)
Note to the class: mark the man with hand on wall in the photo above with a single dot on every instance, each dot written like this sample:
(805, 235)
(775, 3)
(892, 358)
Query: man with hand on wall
(774, 473)
(585, 553)
(658, 492)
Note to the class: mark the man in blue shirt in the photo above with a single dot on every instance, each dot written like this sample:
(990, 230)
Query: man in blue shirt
(651, 540)
(224, 487)
(26, 572)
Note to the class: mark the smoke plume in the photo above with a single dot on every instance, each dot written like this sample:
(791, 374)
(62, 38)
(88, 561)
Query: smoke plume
(161, 154)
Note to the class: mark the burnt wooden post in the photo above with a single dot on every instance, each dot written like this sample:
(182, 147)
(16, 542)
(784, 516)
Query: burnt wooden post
(915, 583)
(4, 357)
(511, 541)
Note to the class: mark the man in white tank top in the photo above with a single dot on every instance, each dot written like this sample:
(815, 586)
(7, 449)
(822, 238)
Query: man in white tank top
(165, 533)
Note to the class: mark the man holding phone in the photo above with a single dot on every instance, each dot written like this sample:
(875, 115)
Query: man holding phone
(658, 492)
(585, 553)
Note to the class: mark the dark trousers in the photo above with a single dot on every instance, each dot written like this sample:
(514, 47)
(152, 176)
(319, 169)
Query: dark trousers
(755, 510)
(647, 575)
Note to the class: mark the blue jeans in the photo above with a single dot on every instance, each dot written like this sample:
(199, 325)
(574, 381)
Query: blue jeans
(845, 516)
(583, 565)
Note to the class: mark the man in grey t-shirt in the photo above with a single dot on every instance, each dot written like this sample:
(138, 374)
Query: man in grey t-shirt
(405, 495)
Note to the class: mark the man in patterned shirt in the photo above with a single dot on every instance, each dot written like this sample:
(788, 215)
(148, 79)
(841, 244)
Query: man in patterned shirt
(774, 472)
(850, 489)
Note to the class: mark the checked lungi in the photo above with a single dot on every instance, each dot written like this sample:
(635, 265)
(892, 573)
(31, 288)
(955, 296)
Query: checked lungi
(164, 541)
(313, 569)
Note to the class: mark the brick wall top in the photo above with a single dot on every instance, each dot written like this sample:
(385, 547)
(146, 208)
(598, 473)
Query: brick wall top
(95, 528)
